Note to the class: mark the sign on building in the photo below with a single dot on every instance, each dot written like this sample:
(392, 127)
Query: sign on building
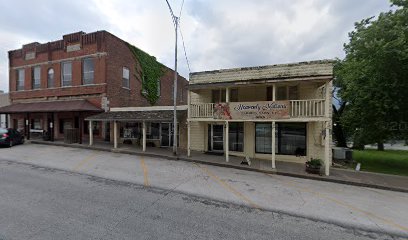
(251, 110)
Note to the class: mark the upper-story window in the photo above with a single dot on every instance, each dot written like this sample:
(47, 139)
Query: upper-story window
(218, 96)
(234, 95)
(20, 79)
(287, 93)
(36, 78)
(125, 77)
(50, 78)
(66, 74)
(88, 69)
(282, 93)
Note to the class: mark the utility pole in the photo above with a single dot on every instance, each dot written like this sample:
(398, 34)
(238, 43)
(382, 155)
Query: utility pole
(175, 22)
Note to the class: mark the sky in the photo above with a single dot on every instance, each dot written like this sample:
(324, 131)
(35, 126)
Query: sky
(217, 33)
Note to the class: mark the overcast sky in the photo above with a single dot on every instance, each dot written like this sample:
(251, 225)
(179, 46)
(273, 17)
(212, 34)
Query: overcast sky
(217, 33)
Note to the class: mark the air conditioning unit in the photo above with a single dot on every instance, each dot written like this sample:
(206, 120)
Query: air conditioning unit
(344, 154)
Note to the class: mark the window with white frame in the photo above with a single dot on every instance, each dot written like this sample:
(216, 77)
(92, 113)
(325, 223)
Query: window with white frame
(50, 78)
(125, 77)
(20, 79)
(36, 77)
(66, 74)
(88, 70)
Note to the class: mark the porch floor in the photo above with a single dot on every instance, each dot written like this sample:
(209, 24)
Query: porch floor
(375, 180)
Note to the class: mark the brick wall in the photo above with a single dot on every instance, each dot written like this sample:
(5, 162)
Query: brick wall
(110, 55)
(51, 55)
(120, 56)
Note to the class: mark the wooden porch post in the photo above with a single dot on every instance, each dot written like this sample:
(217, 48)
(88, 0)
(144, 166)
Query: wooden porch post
(115, 134)
(188, 138)
(274, 92)
(327, 139)
(90, 133)
(226, 146)
(327, 150)
(144, 136)
(188, 124)
(52, 134)
(28, 124)
(80, 127)
(273, 145)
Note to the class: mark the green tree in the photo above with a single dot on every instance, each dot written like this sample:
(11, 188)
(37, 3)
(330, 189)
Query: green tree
(373, 78)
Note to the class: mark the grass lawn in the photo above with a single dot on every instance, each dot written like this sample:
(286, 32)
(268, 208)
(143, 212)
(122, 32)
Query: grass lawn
(388, 161)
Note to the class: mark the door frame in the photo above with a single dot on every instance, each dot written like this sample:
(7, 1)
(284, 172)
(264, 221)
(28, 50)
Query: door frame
(211, 137)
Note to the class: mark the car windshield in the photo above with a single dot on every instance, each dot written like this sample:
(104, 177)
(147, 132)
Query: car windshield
(3, 130)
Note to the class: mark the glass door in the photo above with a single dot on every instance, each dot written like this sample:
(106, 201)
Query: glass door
(216, 138)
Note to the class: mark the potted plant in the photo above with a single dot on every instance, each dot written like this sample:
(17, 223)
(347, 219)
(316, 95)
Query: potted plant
(314, 166)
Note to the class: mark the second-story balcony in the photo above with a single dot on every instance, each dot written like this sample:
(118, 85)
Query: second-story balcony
(310, 108)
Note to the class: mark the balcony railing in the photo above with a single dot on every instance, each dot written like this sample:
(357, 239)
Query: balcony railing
(298, 109)
(202, 110)
(307, 108)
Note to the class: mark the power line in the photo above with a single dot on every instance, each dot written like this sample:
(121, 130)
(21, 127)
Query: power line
(181, 8)
(184, 48)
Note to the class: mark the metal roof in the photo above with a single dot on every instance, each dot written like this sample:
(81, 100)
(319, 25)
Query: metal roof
(51, 106)
(136, 116)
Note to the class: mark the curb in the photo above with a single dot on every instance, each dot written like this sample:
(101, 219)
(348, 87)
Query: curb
(170, 157)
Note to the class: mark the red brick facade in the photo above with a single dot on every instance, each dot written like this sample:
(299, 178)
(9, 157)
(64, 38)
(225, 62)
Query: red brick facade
(109, 53)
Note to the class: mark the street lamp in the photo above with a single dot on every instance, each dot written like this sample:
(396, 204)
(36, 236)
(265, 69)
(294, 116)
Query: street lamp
(175, 22)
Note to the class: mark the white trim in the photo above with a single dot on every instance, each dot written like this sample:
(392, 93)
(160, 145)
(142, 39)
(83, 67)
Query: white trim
(151, 108)
(98, 54)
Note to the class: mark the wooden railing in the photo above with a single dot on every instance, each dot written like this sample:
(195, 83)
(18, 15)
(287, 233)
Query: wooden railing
(298, 109)
(307, 108)
(202, 110)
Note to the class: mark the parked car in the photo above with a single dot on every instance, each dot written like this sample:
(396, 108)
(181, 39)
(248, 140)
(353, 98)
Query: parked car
(10, 137)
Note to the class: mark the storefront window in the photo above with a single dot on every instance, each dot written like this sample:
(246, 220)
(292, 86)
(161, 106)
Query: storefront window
(292, 139)
(263, 138)
(236, 137)
(154, 132)
(130, 130)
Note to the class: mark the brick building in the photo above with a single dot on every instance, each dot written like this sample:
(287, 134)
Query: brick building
(55, 86)
(4, 101)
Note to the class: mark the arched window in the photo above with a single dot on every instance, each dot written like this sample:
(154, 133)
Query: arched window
(50, 78)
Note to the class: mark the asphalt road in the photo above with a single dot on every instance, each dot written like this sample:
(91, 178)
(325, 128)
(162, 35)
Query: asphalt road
(45, 203)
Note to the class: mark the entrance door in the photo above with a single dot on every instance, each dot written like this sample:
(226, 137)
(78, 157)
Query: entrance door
(216, 137)
(166, 131)
(107, 131)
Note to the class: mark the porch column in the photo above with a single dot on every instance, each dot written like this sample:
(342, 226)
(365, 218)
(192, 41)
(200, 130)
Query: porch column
(188, 139)
(28, 124)
(226, 145)
(80, 127)
(327, 149)
(115, 134)
(274, 92)
(188, 124)
(273, 145)
(227, 94)
(144, 136)
(90, 134)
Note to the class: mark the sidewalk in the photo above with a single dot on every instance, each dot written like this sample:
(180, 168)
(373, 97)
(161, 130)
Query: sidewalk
(342, 176)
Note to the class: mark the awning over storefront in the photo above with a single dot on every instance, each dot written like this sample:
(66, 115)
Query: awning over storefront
(54, 106)
(136, 116)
